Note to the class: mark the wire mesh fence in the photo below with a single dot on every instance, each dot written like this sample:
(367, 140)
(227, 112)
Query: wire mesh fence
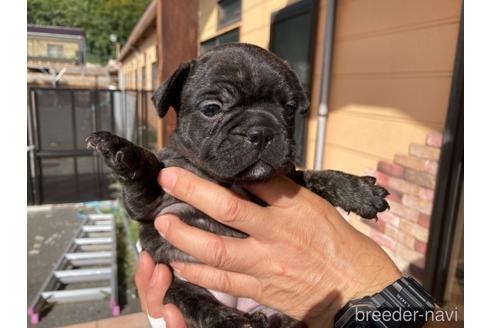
(60, 168)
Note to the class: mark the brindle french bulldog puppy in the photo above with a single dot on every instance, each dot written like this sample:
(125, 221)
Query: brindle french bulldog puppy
(235, 108)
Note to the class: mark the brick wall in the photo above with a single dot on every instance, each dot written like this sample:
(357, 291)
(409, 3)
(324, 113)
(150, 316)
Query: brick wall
(404, 229)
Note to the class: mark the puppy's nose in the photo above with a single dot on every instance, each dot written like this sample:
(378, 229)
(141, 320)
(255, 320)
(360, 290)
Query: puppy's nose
(259, 137)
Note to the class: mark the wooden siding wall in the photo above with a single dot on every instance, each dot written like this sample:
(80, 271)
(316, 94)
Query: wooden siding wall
(391, 77)
(144, 56)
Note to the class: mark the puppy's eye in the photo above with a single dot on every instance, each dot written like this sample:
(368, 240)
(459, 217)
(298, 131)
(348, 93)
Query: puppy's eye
(210, 110)
(290, 108)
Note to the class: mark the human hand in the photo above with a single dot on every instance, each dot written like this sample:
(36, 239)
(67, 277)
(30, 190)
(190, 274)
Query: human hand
(301, 257)
(152, 282)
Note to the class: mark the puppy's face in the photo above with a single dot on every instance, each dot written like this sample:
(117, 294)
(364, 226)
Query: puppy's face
(235, 112)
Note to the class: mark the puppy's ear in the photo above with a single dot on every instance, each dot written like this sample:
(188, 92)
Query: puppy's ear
(169, 93)
(305, 105)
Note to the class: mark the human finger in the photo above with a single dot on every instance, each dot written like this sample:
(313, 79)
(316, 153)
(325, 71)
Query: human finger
(157, 288)
(227, 253)
(173, 316)
(214, 200)
(233, 283)
(143, 275)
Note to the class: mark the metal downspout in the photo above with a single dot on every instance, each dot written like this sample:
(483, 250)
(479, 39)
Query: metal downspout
(325, 85)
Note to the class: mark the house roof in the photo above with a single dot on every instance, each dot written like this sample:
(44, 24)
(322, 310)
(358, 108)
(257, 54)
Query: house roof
(142, 25)
(60, 30)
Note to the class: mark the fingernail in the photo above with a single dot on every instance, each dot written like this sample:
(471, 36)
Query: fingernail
(162, 225)
(178, 266)
(155, 276)
(167, 179)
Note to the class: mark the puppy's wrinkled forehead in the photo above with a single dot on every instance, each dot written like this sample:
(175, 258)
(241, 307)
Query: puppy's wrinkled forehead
(246, 72)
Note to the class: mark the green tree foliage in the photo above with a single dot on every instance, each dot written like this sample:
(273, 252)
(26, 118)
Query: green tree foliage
(99, 19)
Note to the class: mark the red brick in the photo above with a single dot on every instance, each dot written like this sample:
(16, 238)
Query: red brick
(383, 240)
(377, 225)
(424, 152)
(393, 195)
(417, 203)
(424, 220)
(381, 178)
(434, 139)
(422, 179)
(416, 163)
(403, 211)
(408, 253)
(389, 218)
(402, 186)
(414, 229)
(420, 246)
(432, 167)
(398, 187)
(426, 194)
(392, 169)
(400, 236)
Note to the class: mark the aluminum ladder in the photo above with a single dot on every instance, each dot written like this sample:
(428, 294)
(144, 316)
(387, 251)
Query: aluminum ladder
(89, 257)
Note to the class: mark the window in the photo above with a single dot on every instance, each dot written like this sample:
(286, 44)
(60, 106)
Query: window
(291, 38)
(229, 37)
(229, 12)
(55, 50)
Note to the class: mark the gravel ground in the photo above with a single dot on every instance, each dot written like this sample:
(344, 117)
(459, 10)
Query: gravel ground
(50, 228)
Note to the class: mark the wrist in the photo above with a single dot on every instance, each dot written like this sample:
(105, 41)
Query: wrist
(403, 303)
(332, 299)
(371, 287)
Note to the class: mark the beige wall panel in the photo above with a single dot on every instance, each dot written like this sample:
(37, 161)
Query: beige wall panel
(415, 51)
(207, 19)
(392, 70)
(256, 19)
(250, 4)
(258, 37)
(371, 136)
(340, 159)
(422, 100)
(365, 17)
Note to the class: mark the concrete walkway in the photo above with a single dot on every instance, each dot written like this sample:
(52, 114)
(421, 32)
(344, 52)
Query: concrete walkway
(49, 230)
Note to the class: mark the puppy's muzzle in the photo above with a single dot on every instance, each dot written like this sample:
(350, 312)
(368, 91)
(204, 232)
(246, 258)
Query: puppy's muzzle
(259, 137)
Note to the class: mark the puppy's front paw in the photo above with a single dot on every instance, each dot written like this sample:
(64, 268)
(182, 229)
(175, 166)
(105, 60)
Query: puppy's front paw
(368, 198)
(120, 154)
